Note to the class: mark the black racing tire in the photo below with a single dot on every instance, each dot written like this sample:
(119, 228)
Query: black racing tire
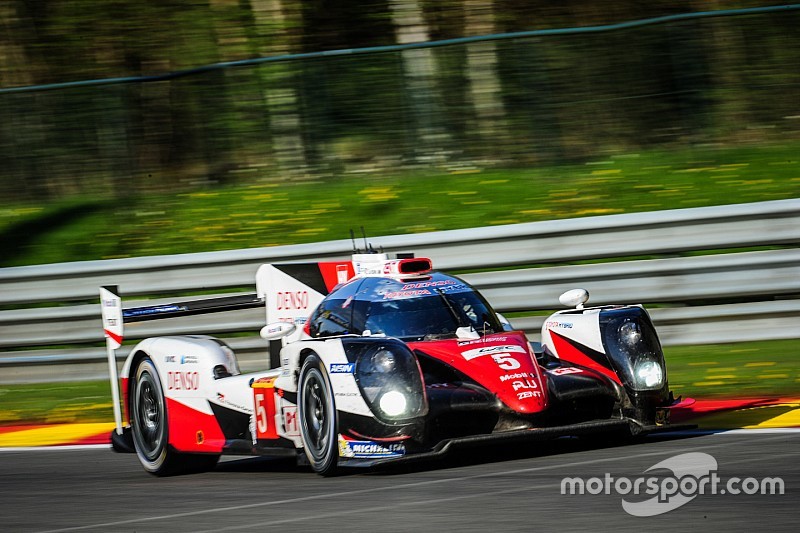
(149, 422)
(317, 414)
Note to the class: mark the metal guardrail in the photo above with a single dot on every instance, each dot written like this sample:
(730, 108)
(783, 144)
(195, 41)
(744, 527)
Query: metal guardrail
(35, 338)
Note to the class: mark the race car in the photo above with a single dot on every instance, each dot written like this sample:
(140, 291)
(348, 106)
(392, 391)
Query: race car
(375, 360)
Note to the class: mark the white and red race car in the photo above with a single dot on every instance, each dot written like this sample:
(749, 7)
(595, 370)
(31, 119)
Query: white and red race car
(396, 361)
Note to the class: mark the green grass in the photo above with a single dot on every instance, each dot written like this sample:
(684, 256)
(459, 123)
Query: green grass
(265, 213)
(742, 370)
(53, 403)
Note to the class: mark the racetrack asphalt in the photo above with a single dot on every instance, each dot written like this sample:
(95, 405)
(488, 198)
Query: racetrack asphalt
(497, 489)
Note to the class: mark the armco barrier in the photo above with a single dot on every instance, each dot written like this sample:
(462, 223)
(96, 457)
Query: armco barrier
(717, 297)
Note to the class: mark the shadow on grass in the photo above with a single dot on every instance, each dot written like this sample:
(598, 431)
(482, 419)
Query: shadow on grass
(16, 237)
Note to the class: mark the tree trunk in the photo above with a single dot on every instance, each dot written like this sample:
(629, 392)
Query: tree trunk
(420, 69)
(273, 19)
(485, 90)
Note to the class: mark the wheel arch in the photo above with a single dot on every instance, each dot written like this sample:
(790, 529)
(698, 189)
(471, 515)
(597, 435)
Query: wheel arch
(305, 353)
(134, 360)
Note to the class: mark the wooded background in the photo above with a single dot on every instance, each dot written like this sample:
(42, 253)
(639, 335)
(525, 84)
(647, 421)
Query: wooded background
(541, 100)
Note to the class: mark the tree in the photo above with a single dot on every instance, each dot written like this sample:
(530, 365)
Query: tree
(484, 84)
(420, 69)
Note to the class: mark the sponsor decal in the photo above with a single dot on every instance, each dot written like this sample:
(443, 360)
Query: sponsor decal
(153, 310)
(525, 384)
(563, 325)
(406, 294)
(290, 423)
(189, 359)
(367, 269)
(169, 359)
(183, 380)
(365, 449)
(292, 300)
(342, 275)
(342, 368)
(518, 375)
(489, 350)
(528, 394)
(426, 284)
(111, 311)
(221, 399)
(263, 383)
(482, 341)
(565, 370)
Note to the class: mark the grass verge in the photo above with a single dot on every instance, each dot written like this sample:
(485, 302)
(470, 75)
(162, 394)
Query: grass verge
(265, 212)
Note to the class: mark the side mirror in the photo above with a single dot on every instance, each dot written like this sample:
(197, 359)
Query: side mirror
(467, 333)
(574, 298)
(276, 330)
(504, 322)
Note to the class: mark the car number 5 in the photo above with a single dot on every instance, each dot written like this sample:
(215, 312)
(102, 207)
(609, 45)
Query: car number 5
(261, 414)
(506, 361)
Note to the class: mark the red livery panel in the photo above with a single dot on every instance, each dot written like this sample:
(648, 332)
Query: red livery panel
(193, 431)
(501, 362)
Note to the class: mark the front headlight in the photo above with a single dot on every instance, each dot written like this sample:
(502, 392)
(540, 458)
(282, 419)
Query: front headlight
(630, 333)
(648, 374)
(394, 403)
(389, 378)
(633, 348)
(383, 361)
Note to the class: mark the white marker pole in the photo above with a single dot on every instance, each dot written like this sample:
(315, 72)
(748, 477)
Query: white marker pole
(111, 305)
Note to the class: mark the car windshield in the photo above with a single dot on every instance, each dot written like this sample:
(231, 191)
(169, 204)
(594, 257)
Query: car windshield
(435, 315)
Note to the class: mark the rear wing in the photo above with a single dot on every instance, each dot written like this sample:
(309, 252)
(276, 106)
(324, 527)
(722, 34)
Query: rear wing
(115, 318)
(289, 293)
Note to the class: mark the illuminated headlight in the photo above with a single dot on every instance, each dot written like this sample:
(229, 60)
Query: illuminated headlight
(389, 378)
(393, 403)
(649, 374)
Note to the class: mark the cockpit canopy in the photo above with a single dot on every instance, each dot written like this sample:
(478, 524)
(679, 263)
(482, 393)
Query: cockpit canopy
(426, 308)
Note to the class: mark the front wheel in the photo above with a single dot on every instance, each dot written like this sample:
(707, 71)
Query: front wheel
(317, 414)
(150, 429)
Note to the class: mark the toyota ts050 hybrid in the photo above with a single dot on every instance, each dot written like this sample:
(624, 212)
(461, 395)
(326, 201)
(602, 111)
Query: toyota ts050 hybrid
(378, 360)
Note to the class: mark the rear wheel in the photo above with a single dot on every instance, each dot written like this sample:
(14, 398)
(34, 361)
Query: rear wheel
(150, 428)
(317, 413)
